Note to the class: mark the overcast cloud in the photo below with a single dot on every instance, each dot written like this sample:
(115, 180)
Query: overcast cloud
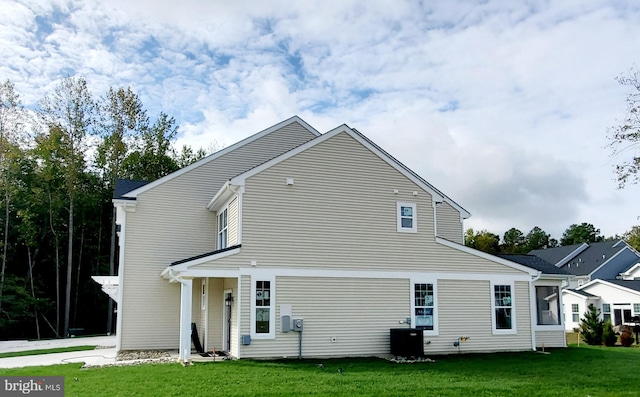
(502, 105)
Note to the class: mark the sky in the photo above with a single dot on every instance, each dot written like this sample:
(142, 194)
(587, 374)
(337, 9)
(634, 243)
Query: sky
(504, 106)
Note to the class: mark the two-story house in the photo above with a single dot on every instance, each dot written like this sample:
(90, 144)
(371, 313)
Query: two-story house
(324, 228)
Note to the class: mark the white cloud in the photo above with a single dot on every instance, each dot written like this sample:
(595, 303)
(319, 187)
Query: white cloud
(502, 105)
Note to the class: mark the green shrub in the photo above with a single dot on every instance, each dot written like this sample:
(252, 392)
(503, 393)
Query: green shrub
(626, 337)
(591, 326)
(609, 337)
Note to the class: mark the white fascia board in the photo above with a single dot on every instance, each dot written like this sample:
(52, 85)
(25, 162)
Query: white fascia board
(631, 269)
(486, 256)
(566, 291)
(151, 185)
(436, 197)
(572, 255)
(608, 284)
(217, 197)
(186, 265)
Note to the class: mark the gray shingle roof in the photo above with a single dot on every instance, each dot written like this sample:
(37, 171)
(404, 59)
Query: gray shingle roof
(583, 293)
(631, 284)
(593, 257)
(534, 262)
(124, 186)
(556, 254)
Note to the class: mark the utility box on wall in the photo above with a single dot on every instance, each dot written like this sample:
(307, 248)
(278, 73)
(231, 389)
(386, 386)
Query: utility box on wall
(407, 342)
(286, 323)
(298, 324)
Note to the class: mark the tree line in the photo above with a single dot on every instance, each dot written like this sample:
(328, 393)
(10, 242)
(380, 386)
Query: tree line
(515, 241)
(59, 161)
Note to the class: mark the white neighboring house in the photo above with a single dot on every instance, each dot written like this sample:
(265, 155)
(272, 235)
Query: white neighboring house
(325, 228)
(618, 301)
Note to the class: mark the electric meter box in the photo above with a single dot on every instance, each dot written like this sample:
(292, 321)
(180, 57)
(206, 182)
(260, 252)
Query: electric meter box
(298, 324)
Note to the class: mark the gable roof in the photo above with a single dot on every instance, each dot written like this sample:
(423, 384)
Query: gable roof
(582, 259)
(581, 293)
(593, 257)
(124, 186)
(630, 284)
(435, 193)
(534, 262)
(558, 256)
(220, 153)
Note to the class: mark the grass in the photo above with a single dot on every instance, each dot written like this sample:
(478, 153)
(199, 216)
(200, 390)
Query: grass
(584, 371)
(47, 351)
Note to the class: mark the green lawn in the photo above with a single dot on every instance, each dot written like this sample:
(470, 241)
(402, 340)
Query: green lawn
(47, 351)
(584, 371)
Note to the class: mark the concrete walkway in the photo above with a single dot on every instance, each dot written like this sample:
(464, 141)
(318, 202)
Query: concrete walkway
(106, 354)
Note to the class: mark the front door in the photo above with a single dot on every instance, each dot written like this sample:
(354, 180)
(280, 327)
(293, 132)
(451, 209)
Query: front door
(228, 310)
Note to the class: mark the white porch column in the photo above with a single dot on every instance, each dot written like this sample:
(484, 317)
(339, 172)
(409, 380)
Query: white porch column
(186, 297)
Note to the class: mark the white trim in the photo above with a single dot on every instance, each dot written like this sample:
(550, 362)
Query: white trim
(121, 217)
(620, 287)
(572, 255)
(484, 255)
(237, 145)
(331, 273)
(272, 308)
(607, 261)
(629, 271)
(578, 295)
(414, 217)
(186, 265)
(239, 317)
(514, 329)
(434, 283)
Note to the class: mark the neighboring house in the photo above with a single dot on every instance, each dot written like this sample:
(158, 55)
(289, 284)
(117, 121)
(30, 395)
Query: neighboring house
(604, 260)
(618, 301)
(329, 228)
(604, 274)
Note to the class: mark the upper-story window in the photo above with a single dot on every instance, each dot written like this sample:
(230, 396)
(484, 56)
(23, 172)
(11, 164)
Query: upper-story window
(407, 217)
(222, 229)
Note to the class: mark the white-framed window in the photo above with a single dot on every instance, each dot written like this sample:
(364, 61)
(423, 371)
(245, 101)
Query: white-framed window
(407, 217)
(548, 305)
(636, 309)
(503, 308)
(424, 306)
(263, 313)
(222, 229)
(606, 312)
(575, 312)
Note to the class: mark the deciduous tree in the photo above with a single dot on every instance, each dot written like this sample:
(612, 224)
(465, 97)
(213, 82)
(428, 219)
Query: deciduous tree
(625, 137)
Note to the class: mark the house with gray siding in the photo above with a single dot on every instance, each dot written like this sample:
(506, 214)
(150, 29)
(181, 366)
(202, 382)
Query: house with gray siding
(292, 242)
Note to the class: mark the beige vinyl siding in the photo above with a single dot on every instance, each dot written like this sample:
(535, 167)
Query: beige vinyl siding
(341, 213)
(465, 311)
(449, 223)
(215, 316)
(232, 223)
(550, 339)
(357, 312)
(170, 223)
